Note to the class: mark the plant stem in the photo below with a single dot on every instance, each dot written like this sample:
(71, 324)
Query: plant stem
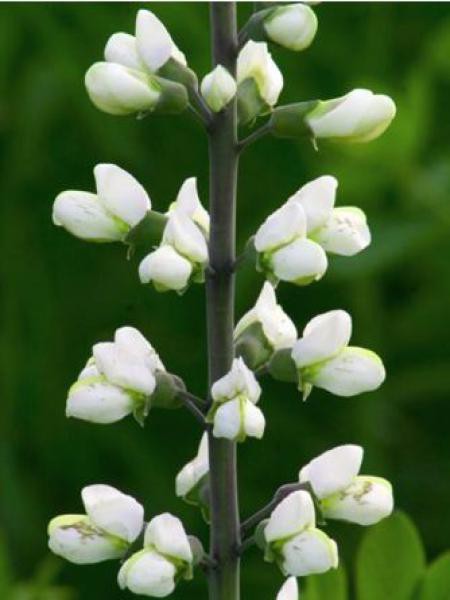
(224, 580)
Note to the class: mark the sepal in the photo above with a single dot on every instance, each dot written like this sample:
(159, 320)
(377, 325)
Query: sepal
(289, 121)
(282, 366)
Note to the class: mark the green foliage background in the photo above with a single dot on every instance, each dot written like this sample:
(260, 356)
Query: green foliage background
(60, 295)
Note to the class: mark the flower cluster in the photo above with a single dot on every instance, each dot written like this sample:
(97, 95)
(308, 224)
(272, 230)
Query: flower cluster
(112, 524)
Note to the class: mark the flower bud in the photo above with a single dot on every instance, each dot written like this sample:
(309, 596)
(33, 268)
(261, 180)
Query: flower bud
(259, 81)
(293, 26)
(119, 90)
(148, 573)
(193, 474)
(113, 521)
(274, 329)
(167, 269)
(359, 116)
(186, 238)
(233, 412)
(119, 205)
(218, 88)
(342, 493)
(325, 360)
(289, 590)
(293, 540)
(154, 43)
(188, 203)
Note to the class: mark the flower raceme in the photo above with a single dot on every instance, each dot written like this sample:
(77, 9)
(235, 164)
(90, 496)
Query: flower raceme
(234, 412)
(218, 88)
(324, 358)
(118, 380)
(112, 522)
(130, 81)
(289, 590)
(344, 494)
(166, 557)
(119, 204)
(259, 81)
(294, 542)
(264, 329)
(181, 257)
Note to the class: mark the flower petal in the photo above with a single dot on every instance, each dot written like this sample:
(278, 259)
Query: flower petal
(365, 501)
(121, 193)
(166, 534)
(353, 371)
(131, 340)
(166, 268)
(345, 233)
(83, 215)
(93, 399)
(333, 470)
(149, 574)
(291, 516)
(153, 40)
(194, 470)
(323, 337)
(188, 202)
(227, 420)
(293, 26)
(116, 513)
(300, 262)
(317, 199)
(281, 228)
(187, 239)
(78, 540)
(121, 49)
(289, 590)
(239, 381)
(312, 551)
(218, 88)
(255, 62)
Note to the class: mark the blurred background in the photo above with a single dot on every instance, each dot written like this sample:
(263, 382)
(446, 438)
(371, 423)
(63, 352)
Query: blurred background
(60, 295)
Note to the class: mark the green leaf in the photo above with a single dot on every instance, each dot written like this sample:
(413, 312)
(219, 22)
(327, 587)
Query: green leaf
(390, 561)
(436, 583)
(329, 586)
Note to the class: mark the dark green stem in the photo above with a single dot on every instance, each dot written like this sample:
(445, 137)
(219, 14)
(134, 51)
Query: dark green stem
(224, 580)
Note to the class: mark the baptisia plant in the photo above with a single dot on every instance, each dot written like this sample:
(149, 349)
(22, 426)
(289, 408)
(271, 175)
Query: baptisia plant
(234, 413)
(147, 73)
(324, 359)
(112, 522)
(344, 494)
(165, 558)
(119, 204)
(120, 378)
(137, 72)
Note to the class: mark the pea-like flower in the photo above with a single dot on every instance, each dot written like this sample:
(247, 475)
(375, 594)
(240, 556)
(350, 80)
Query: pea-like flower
(166, 557)
(218, 88)
(112, 522)
(234, 411)
(293, 26)
(188, 203)
(259, 81)
(285, 253)
(359, 116)
(180, 259)
(344, 494)
(324, 358)
(294, 542)
(341, 230)
(118, 380)
(264, 329)
(191, 477)
(128, 82)
(289, 590)
(119, 203)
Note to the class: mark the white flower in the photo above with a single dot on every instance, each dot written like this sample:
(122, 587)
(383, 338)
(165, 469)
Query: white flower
(340, 230)
(294, 541)
(285, 252)
(166, 556)
(218, 88)
(166, 269)
(279, 330)
(293, 26)
(113, 521)
(107, 216)
(325, 360)
(194, 471)
(188, 203)
(119, 379)
(125, 83)
(181, 257)
(343, 494)
(289, 590)
(234, 413)
(119, 90)
(359, 116)
(256, 63)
